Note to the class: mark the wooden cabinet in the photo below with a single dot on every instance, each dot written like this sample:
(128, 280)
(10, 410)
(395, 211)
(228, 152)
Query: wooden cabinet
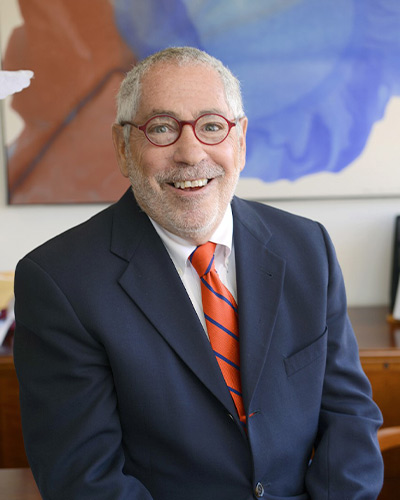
(380, 358)
(12, 453)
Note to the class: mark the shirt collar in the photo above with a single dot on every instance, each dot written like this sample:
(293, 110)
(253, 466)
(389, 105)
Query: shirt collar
(179, 249)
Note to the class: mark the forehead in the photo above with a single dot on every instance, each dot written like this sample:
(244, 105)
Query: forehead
(185, 90)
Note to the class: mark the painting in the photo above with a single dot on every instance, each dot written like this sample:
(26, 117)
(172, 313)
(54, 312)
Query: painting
(320, 82)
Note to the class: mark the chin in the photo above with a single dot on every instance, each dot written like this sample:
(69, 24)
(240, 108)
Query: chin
(194, 230)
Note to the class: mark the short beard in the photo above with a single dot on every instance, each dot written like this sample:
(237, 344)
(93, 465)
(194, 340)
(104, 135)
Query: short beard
(196, 228)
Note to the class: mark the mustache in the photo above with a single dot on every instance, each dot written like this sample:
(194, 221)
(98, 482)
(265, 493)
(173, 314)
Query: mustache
(203, 170)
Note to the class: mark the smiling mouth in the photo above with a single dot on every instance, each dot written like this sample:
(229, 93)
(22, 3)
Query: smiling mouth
(197, 183)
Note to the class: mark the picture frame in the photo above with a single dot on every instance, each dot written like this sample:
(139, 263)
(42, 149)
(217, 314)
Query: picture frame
(322, 98)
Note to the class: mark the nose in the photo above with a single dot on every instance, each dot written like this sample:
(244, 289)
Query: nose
(188, 149)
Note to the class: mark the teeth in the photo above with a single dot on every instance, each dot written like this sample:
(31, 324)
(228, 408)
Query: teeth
(190, 184)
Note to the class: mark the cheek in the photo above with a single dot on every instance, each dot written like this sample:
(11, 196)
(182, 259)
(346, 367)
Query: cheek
(148, 160)
(228, 156)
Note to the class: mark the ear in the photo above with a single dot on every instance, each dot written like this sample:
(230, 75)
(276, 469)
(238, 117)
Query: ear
(120, 148)
(242, 142)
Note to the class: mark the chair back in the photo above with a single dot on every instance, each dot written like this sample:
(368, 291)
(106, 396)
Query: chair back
(389, 437)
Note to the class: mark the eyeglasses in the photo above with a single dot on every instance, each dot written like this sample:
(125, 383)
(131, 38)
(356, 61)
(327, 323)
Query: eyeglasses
(164, 130)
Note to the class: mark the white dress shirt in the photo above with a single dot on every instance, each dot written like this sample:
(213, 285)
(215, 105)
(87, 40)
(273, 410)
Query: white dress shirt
(180, 250)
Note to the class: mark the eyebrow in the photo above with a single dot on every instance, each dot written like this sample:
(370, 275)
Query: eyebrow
(160, 111)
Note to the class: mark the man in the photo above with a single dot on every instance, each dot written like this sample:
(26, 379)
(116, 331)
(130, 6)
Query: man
(126, 391)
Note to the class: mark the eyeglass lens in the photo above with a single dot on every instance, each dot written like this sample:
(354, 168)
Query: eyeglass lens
(164, 130)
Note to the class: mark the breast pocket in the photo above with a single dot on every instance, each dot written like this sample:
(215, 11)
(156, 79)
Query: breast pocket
(307, 355)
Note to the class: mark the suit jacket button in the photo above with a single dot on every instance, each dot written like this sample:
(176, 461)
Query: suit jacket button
(259, 490)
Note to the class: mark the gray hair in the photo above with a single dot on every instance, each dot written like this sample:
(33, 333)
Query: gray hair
(129, 92)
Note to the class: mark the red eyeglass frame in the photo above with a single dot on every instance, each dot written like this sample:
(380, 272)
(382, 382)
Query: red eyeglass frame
(181, 124)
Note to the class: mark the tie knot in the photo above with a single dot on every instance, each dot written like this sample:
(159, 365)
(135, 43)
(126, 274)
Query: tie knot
(202, 258)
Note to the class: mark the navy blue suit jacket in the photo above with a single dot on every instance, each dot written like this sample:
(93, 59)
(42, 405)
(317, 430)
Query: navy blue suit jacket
(121, 395)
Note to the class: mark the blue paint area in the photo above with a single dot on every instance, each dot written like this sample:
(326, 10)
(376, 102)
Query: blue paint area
(316, 75)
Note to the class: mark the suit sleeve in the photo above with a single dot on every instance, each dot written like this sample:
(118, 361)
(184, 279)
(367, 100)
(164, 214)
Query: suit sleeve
(347, 456)
(70, 420)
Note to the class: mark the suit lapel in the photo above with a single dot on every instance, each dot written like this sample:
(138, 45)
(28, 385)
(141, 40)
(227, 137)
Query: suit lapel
(152, 282)
(260, 275)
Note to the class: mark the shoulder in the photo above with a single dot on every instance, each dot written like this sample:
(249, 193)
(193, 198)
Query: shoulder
(277, 222)
(293, 237)
(89, 237)
(92, 233)
(87, 244)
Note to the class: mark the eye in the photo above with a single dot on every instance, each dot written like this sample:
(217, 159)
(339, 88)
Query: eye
(162, 125)
(162, 128)
(212, 127)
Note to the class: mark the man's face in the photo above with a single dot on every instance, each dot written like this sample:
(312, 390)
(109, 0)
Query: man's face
(156, 173)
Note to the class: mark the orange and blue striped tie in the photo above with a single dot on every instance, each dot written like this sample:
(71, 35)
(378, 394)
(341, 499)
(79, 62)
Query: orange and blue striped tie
(221, 314)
